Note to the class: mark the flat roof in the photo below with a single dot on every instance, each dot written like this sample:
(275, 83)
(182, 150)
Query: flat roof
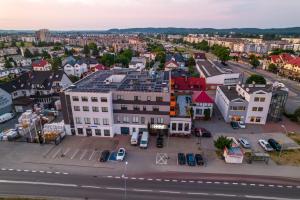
(230, 92)
(122, 80)
(213, 68)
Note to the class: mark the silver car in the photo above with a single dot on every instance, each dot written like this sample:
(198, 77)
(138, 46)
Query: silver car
(244, 143)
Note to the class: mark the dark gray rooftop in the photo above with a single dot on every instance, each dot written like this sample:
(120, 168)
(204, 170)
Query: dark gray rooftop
(213, 68)
(122, 80)
(230, 92)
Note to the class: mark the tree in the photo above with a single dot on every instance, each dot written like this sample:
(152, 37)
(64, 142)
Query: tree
(222, 142)
(257, 79)
(8, 64)
(221, 52)
(45, 55)
(272, 68)
(73, 78)
(203, 45)
(56, 63)
(27, 53)
(86, 50)
(191, 62)
(22, 44)
(254, 61)
(107, 59)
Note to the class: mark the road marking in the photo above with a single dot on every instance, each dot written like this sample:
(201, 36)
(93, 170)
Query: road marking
(49, 172)
(38, 183)
(183, 181)
(149, 179)
(169, 192)
(10, 169)
(225, 183)
(3, 169)
(191, 181)
(83, 154)
(264, 197)
(18, 170)
(252, 184)
(33, 171)
(280, 186)
(65, 173)
(158, 179)
(200, 182)
(289, 186)
(109, 176)
(243, 183)
(298, 186)
(74, 154)
(225, 195)
(90, 186)
(271, 185)
(216, 182)
(113, 188)
(261, 185)
(198, 193)
(92, 155)
(67, 151)
(166, 180)
(41, 171)
(234, 183)
(26, 170)
(56, 153)
(174, 180)
(57, 172)
(208, 182)
(141, 179)
(133, 178)
(140, 190)
(117, 177)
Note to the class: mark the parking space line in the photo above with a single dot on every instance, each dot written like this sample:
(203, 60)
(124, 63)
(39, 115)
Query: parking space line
(90, 158)
(67, 151)
(141, 179)
(149, 179)
(56, 153)
(200, 182)
(83, 154)
(3, 169)
(74, 154)
(158, 179)
(65, 173)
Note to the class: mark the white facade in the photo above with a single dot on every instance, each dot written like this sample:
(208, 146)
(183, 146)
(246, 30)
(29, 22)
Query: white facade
(199, 108)
(223, 79)
(79, 69)
(69, 70)
(180, 126)
(92, 119)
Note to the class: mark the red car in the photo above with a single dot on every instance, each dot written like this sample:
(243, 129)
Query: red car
(202, 132)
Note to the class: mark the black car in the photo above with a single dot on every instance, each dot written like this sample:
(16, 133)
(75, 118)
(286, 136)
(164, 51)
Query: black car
(274, 144)
(190, 159)
(181, 159)
(160, 141)
(202, 132)
(199, 159)
(104, 156)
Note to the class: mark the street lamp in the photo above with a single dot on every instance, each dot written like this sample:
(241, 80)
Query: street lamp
(124, 176)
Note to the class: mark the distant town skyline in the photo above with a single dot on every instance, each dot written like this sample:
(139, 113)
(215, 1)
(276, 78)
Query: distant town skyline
(103, 15)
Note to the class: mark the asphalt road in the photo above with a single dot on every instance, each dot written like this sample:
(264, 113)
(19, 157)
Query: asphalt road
(93, 187)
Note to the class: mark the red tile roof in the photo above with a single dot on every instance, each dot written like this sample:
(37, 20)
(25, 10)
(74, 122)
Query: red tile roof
(286, 57)
(172, 61)
(39, 63)
(295, 61)
(98, 67)
(189, 83)
(201, 97)
(275, 58)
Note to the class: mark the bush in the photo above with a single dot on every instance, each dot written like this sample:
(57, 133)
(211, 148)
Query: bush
(222, 142)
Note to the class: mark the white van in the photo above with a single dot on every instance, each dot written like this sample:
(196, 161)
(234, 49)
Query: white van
(144, 140)
(134, 138)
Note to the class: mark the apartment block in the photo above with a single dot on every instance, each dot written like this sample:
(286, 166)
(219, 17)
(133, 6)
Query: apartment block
(119, 101)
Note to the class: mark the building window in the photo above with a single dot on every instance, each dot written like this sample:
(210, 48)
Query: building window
(87, 120)
(142, 120)
(252, 119)
(84, 98)
(119, 97)
(186, 127)
(256, 99)
(144, 108)
(106, 132)
(180, 127)
(103, 99)
(148, 98)
(262, 99)
(198, 111)
(78, 120)
(123, 107)
(104, 109)
(94, 99)
(174, 126)
(152, 120)
(95, 109)
(76, 108)
(160, 120)
(125, 119)
(155, 108)
(118, 119)
(96, 121)
(98, 132)
(257, 119)
(136, 98)
(136, 107)
(105, 121)
(260, 109)
(75, 98)
(135, 119)
(85, 108)
(254, 109)
(80, 131)
(159, 99)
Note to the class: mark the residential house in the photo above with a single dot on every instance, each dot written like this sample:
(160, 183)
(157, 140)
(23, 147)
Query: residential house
(22, 61)
(176, 57)
(248, 103)
(202, 105)
(171, 65)
(5, 102)
(291, 69)
(138, 63)
(41, 65)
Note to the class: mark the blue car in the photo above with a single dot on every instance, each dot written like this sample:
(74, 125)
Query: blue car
(190, 159)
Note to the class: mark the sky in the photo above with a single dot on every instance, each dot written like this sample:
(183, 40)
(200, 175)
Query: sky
(106, 14)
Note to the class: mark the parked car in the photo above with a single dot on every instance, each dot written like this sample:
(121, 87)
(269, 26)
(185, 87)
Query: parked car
(242, 124)
(199, 159)
(234, 125)
(244, 143)
(134, 138)
(121, 154)
(181, 159)
(104, 156)
(265, 145)
(160, 141)
(190, 159)
(201, 132)
(274, 144)
(6, 117)
(144, 140)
